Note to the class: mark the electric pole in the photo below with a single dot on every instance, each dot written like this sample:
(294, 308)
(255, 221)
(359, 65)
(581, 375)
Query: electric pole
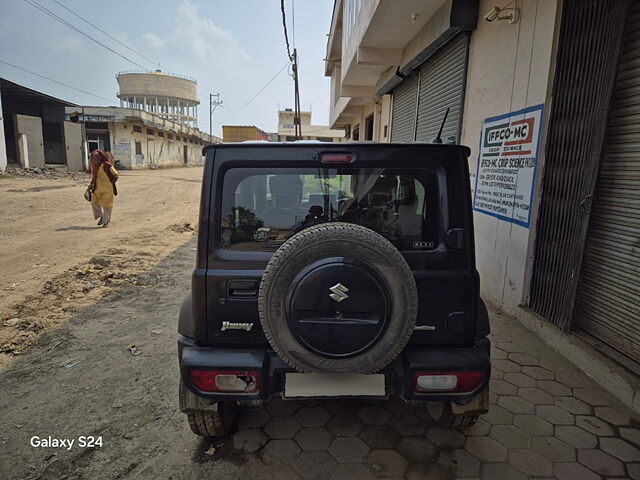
(213, 104)
(296, 110)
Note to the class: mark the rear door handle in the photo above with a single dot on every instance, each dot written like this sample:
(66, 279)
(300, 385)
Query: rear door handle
(242, 289)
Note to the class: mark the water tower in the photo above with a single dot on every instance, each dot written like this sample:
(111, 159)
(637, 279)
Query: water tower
(174, 97)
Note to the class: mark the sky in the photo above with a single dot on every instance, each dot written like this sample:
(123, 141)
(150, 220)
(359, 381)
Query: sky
(231, 47)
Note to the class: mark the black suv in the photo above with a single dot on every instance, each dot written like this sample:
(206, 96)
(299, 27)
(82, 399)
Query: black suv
(334, 270)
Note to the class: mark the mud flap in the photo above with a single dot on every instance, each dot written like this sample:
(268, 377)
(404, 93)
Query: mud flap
(192, 403)
(478, 405)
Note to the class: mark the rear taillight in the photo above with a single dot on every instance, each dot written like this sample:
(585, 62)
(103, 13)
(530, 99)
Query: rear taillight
(336, 158)
(225, 381)
(447, 382)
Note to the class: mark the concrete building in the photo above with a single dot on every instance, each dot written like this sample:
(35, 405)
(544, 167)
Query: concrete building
(555, 183)
(286, 128)
(170, 96)
(34, 131)
(243, 133)
(139, 139)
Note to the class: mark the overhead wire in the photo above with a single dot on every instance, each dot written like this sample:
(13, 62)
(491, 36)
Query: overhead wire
(46, 11)
(284, 26)
(55, 81)
(259, 92)
(106, 33)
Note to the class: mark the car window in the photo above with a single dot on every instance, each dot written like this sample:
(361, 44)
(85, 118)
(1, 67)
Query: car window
(262, 208)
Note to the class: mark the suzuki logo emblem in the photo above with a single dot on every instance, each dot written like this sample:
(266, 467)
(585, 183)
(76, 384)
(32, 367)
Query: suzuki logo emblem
(339, 292)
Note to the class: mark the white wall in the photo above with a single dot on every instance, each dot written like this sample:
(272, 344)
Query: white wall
(508, 70)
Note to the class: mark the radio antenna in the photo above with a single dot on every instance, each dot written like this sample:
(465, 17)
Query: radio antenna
(438, 139)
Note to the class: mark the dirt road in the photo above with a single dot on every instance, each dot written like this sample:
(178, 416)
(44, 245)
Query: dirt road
(47, 229)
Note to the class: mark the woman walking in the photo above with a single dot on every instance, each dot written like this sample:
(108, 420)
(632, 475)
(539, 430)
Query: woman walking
(102, 186)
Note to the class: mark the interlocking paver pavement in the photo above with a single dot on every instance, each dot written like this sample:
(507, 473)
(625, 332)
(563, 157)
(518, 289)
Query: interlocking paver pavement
(547, 419)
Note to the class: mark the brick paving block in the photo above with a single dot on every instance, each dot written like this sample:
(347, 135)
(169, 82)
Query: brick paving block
(502, 387)
(613, 415)
(555, 415)
(510, 347)
(281, 472)
(348, 450)
(344, 425)
(498, 416)
(314, 465)
(601, 462)
(574, 380)
(573, 405)
(316, 416)
(501, 471)
(553, 449)
(408, 424)
(593, 396)
(634, 470)
(538, 373)
(249, 440)
(253, 417)
(486, 449)
(507, 366)
(352, 471)
(480, 428)
(631, 434)
(397, 405)
(520, 379)
(554, 388)
(533, 425)
(620, 449)
(283, 408)
(342, 407)
(535, 396)
(417, 449)
(510, 436)
(594, 425)
(555, 363)
(523, 359)
(313, 438)
(416, 471)
(573, 471)
(576, 436)
(516, 404)
(497, 354)
(380, 436)
(493, 398)
(530, 462)
(458, 462)
(281, 427)
(280, 451)
(497, 374)
(374, 415)
(445, 437)
(388, 463)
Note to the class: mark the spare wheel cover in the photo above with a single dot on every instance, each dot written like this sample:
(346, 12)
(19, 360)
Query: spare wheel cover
(338, 298)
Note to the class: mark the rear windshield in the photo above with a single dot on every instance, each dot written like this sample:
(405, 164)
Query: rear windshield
(262, 208)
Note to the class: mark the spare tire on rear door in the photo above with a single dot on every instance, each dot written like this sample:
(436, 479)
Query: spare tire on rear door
(338, 298)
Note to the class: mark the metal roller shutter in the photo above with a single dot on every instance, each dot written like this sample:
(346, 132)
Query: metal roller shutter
(404, 109)
(442, 82)
(608, 304)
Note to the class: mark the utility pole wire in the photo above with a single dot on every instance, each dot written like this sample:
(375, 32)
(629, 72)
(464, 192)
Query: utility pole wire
(284, 25)
(259, 92)
(54, 81)
(107, 34)
(46, 11)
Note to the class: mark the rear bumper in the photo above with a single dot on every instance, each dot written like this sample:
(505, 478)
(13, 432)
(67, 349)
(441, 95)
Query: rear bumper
(399, 375)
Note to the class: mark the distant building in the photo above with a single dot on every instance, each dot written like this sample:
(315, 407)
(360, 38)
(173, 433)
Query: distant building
(139, 139)
(33, 131)
(286, 128)
(243, 133)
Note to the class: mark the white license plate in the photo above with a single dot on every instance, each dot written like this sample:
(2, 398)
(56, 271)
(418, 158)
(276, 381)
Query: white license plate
(305, 385)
